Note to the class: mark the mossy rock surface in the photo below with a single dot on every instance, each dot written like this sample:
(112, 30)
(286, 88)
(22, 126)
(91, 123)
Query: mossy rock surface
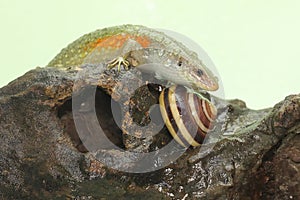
(42, 156)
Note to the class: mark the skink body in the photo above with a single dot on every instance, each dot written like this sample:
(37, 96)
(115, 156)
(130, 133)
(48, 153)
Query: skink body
(147, 49)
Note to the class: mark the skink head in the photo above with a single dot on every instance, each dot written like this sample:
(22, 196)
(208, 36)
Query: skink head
(199, 75)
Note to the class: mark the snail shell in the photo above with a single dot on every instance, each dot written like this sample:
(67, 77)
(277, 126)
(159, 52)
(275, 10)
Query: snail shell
(188, 116)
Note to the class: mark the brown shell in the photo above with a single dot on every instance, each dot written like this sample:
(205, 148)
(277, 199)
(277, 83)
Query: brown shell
(187, 116)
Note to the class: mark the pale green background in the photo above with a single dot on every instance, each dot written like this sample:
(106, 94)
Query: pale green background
(254, 44)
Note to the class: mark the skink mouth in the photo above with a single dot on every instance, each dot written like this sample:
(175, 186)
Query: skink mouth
(214, 85)
(204, 82)
(208, 86)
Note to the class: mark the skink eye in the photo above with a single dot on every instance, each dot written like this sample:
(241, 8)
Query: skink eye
(200, 72)
(179, 63)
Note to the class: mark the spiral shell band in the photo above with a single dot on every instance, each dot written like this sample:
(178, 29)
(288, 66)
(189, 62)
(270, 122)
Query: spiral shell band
(171, 125)
(187, 116)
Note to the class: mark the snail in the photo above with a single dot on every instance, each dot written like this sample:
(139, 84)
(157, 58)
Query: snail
(187, 116)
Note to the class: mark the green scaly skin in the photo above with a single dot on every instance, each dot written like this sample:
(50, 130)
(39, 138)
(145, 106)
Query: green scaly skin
(176, 63)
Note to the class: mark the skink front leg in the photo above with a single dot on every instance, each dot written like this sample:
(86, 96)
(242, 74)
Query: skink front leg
(118, 62)
(124, 52)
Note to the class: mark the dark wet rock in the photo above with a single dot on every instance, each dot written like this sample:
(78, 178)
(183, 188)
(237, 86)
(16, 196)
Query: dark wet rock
(256, 153)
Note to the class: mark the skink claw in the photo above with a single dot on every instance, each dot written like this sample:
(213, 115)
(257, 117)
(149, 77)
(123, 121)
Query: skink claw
(118, 62)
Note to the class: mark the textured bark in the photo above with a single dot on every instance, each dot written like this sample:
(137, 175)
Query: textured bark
(42, 157)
